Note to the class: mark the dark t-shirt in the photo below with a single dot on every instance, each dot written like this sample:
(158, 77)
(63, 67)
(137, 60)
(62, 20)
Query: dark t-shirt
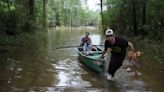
(119, 47)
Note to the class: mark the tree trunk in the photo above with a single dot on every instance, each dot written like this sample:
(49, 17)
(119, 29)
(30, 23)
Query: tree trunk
(31, 8)
(134, 19)
(44, 14)
(102, 19)
(8, 4)
(144, 12)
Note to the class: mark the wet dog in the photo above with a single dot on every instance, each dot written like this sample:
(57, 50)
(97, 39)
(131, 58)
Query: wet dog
(133, 58)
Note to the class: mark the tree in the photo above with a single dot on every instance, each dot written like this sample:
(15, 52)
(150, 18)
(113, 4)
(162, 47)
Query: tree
(31, 9)
(44, 14)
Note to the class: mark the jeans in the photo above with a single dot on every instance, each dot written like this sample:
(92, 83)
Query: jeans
(115, 63)
(87, 47)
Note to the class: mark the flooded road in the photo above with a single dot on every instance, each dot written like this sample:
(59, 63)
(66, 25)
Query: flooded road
(40, 67)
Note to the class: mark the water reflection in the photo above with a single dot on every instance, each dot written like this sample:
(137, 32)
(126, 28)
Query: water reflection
(25, 68)
(41, 67)
(69, 74)
(73, 75)
(96, 39)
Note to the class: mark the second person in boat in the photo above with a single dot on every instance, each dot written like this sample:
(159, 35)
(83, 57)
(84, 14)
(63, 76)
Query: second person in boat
(86, 43)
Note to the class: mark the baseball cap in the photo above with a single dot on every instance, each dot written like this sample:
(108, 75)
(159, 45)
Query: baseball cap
(109, 32)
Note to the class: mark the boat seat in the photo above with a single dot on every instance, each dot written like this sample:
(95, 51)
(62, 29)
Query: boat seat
(80, 49)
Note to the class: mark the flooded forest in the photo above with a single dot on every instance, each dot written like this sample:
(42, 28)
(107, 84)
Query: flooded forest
(40, 45)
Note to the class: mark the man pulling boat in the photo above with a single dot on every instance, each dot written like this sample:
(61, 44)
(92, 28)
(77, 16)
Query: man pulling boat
(117, 46)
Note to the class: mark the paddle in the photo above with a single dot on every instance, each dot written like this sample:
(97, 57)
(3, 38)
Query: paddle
(68, 47)
(74, 46)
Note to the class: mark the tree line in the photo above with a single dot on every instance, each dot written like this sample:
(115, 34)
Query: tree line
(135, 17)
(26, 15)
(143, 18)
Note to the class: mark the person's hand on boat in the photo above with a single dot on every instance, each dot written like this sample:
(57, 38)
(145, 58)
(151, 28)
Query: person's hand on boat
(103, 56)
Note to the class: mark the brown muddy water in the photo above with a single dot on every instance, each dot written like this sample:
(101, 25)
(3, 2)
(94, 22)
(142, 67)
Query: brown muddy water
(40, 67)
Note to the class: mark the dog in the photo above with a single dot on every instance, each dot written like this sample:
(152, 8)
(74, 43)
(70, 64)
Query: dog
(134, 55)
(133, 58)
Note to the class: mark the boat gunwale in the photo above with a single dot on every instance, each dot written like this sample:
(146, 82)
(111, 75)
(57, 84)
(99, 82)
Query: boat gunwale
(89, 57)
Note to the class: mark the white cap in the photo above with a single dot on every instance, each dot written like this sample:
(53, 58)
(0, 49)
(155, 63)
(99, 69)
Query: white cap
(109, 32)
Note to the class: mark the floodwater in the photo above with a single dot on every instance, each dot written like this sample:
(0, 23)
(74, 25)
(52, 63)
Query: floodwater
(40, 67)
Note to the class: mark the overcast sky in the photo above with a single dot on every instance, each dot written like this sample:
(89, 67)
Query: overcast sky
(92, 4)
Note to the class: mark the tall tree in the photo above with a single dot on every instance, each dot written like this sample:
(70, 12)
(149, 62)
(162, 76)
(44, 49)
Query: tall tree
(102, 19)
(31, 8)
(144, 12)
(44, 14)
(134, 18)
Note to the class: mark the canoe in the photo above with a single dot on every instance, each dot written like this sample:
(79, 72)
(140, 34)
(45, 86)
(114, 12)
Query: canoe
(91, 59)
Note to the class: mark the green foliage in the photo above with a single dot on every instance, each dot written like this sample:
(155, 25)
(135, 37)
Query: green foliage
(136, 17)
(70, 13)
(26, 15)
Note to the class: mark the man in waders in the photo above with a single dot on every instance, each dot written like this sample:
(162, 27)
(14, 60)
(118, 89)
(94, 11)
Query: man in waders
(117, 46)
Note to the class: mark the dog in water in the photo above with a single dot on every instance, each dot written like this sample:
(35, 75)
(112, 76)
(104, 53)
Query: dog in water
(133, 58)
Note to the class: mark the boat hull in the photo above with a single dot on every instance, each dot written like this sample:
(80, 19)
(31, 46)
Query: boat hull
(92, 60)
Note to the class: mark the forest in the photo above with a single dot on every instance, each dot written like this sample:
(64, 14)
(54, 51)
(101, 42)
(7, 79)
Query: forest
(131, 17)
(40, 45)
(143, 18)
(18, 16)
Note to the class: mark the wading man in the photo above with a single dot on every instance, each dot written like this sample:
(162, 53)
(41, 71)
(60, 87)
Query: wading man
(117, 46)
